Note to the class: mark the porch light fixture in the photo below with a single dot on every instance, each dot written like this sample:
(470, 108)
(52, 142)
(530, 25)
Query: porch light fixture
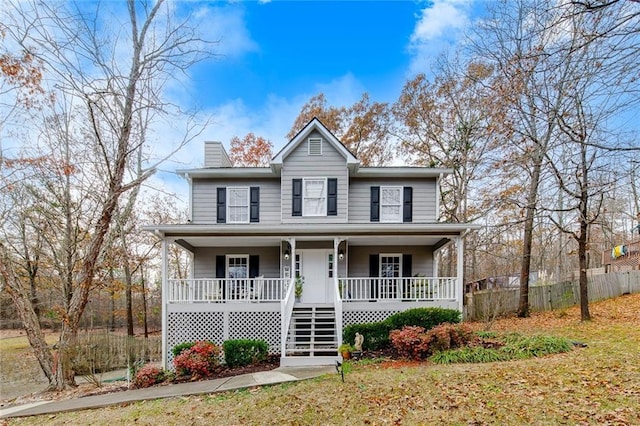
(287, 254)
(341, 255)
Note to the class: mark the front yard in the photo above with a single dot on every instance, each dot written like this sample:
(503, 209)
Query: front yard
(598, 384)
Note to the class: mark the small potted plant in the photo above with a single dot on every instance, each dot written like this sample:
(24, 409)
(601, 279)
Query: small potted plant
(298, 287)
(345, 350)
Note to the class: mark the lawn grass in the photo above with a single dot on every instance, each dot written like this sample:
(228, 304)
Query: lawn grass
(20, 372)
(598, 384)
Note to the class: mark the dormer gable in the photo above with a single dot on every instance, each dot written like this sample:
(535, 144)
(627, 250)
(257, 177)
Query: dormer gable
(317, 139)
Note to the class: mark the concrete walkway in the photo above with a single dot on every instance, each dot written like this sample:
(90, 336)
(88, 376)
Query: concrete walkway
(279, 375)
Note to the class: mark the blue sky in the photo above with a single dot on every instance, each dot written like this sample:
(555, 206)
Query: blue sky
(275, 55)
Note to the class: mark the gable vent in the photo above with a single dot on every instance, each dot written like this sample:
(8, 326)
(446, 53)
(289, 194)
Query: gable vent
(315, 146)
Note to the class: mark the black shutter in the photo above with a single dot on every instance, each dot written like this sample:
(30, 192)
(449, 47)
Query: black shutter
(222, 205)
(406, 265)
(220, 272)
(406, 272)
(296, 198)
(374, 271)
(375, 204)
(407, 204)
(254, 204)
(220, 266)
(332, 197)
(254, 266)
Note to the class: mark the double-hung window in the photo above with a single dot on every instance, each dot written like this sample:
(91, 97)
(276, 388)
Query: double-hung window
(390, 204)
(314, 197)
(237, 205)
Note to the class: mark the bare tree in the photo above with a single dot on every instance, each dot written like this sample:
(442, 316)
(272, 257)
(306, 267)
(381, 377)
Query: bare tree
(107, 79)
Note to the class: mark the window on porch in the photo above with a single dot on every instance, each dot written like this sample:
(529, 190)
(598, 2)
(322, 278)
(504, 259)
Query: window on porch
(237, 266)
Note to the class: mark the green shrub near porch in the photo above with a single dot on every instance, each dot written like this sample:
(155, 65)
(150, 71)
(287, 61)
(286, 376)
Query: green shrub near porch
(376, 334)
(426, 318)
(241, 352)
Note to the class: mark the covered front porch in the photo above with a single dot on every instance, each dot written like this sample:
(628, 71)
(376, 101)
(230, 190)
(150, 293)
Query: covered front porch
(252, 280)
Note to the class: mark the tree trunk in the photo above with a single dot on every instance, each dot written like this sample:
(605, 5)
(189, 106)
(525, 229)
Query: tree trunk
(527, 242)
(22, 301)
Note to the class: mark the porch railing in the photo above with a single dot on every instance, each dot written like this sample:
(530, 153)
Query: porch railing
(215, 290)
(398, 289)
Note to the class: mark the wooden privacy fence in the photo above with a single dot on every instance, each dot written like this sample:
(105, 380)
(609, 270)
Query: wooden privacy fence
(100, 352)
(486, 304)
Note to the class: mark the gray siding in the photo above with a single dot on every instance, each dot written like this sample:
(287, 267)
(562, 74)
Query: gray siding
(215, 155)
(298, 164)
(204, 260)
(424, 198)
(422, 259)
(205, 198)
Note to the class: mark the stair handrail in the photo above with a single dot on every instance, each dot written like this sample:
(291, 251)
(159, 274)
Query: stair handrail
(286, 311)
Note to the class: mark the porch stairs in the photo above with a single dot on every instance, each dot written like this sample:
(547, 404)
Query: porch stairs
(312, 336)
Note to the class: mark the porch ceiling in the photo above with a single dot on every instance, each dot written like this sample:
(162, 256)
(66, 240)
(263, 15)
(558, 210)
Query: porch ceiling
(430, 234)
(372, 240)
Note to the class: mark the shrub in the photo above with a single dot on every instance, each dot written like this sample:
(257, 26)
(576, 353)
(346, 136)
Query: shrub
(178, 349)
(448, 336)
(519, 346)
(468, 355)
(516, 346)
(410, 342)
(376, 335)
(426, 318)
(241, 352)
(199, 361)
(148, 375)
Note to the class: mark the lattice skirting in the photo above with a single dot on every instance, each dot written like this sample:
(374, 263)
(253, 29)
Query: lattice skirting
(220, 326)
(360, 317)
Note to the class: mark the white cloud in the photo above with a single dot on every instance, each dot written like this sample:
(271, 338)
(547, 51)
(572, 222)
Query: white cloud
(439, 26)
(227, 26)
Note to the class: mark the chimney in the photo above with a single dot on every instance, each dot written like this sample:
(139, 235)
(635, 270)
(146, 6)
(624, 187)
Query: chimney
(215, 155)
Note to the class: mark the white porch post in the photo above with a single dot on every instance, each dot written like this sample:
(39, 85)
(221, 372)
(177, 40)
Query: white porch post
(337, 299)
(165, 299)
(460, 272)
(436, 263)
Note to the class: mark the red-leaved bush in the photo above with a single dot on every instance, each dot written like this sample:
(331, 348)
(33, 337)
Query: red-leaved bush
(414, 343)
(410, 342)
(449, 336)
(148, 375)
(199, 361)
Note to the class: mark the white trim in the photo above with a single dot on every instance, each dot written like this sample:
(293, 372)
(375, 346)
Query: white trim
(309, 140)
(165, 300)
(399, 218)
(326, 193)
(227, 204)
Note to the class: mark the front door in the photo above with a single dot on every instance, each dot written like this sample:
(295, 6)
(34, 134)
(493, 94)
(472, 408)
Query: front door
(315, 268)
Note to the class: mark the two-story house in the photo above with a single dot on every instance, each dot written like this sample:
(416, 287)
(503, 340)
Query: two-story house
(364, 241)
